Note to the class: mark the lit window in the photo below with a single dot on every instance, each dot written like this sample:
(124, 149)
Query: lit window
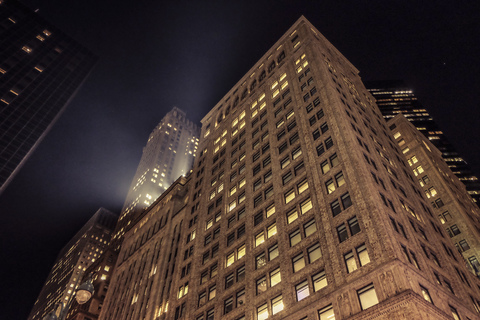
(326, 313)
(27, 49)
(259, 239)
(212, 292)
(310, 228)
(277, 304)
(363, 255)
(295, 237)
(273, 252)
(270, 210)
(314, 253)
(350, 262)
(271, 230)
(262, 312)
(298, 263)
(285, 162)
(325, 166)
(330, 186)
(233, 190)
(319, 281)
(261, 285)
(367, 297)
(306, 205)
(275, 277)
(209, 224)
(232, 205)
(241, 252)
(296, 153)
(230, 259)
(292, 215)
(426, 294)
(302, 186)
(302, 290)
(289, 196)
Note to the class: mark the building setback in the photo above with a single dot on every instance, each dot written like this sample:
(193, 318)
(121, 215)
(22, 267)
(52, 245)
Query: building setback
(451, 202)
(79, 253)
(169, 154)
(41, 69)
(315, 240)
(395, 97)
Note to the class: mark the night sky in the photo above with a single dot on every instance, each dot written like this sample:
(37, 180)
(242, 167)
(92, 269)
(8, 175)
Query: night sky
(154, 55)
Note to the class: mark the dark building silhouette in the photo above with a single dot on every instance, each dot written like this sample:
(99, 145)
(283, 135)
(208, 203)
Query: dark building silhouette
(41, 69)
(395, 97)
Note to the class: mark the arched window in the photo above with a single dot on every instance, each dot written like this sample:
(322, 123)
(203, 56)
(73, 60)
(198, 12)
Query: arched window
(271, 67)
(281, 57)
(244, 94)
(253, 85)
(263, 75)
(220, 117)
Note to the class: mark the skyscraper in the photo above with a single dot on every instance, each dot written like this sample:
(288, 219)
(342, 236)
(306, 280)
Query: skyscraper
(395, 97)
(41, 69)
(77, 255)
(449, 198)
(300, 206)
(170, 151)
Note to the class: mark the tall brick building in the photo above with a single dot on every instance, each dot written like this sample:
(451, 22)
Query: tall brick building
(395, 97)
(301, 205)
(447, 194)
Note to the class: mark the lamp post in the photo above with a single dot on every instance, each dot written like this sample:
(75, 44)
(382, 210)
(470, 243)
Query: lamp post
(82, 295)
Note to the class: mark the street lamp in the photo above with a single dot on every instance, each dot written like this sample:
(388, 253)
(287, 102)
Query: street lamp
(82, 295)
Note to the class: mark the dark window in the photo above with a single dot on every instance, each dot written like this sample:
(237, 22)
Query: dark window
(342, 232)
(258, 218)
(354, 226)
(335, 206)
(229, 280)
(328, 143)
(320, 149)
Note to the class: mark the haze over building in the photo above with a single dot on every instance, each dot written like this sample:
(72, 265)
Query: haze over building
(301, 205)
(77, 255)
(170, 151)
(395, 97)
(41, 69)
